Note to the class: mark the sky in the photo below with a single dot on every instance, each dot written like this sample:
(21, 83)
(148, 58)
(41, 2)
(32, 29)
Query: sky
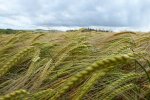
(64, 14)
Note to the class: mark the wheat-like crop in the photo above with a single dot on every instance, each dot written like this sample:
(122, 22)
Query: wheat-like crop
(82, 91)
(119, 82)
(119, 91)
(14, 95)
(74, 66)
(95, 66)
(15, 60)
(37, 37)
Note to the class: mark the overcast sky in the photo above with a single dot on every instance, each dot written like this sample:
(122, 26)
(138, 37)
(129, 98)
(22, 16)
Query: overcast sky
(27, 14)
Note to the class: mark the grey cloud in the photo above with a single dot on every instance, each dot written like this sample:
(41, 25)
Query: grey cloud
(48, 13)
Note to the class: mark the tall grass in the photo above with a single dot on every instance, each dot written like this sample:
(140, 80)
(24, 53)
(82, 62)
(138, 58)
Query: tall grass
(75, 66)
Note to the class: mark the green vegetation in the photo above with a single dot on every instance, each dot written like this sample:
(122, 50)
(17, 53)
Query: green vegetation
(75, 65)
(7, 31)
(89, 30)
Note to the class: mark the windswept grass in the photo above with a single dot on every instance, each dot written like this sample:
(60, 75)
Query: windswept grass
(75, 66)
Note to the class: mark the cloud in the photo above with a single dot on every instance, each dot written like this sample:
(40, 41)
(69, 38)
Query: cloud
(71, 13)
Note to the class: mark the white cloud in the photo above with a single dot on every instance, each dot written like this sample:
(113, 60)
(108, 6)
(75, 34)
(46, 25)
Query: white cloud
(72, 13)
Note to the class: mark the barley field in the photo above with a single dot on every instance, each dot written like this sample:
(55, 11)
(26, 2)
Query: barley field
(75, 66)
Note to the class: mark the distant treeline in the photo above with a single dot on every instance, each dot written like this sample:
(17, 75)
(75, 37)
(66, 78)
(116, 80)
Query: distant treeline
(12, 31)
(9, 31)
(89, 30)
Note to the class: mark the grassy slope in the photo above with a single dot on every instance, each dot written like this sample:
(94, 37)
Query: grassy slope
(60, 66)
